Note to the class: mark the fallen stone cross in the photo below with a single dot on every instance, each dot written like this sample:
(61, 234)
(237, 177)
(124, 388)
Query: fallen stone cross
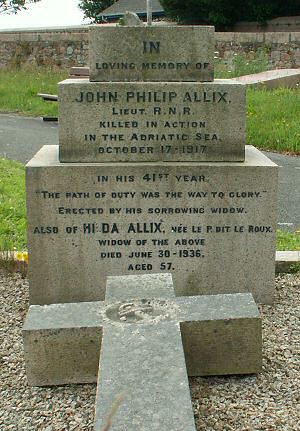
(150, 342)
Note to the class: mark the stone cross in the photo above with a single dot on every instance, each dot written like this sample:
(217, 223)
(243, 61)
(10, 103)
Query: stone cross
(149, 12)
(150, 342)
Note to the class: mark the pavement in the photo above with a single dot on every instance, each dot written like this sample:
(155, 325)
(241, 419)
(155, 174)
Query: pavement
(22, 137)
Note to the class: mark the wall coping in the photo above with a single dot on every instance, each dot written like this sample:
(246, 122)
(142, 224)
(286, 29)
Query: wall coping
(244, 37)
(70, 29)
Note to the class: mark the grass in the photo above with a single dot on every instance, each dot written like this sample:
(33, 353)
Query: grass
(19, 88)
(12, 206)
(288, 240)
(272, 116)
(273, 119)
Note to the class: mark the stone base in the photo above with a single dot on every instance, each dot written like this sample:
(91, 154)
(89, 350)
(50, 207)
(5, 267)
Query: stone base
(212, 225)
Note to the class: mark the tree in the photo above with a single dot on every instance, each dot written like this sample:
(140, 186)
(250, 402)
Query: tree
(13, 6)
(222, 13)
(92, 8)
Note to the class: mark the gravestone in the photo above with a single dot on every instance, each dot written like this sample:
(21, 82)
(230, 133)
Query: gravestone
(151, 175)
(151, 53)
(147, 122)
(150, 341)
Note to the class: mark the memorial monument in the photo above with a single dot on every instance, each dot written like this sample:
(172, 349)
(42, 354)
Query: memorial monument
(151, 175)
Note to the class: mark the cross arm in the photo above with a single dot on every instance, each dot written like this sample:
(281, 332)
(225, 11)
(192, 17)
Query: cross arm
(62, 343)
(221, 334)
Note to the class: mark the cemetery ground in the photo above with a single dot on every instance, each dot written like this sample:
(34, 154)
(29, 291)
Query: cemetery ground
(268, 401)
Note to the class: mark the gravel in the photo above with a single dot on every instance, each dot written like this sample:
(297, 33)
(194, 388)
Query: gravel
(269, 401)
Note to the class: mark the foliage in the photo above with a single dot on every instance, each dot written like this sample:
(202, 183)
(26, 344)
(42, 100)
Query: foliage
(13, 6)
(222, 13)
(92, 8)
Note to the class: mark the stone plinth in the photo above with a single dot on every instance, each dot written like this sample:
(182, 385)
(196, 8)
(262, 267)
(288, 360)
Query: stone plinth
(175, 53)
(138, 122)
(204, 222)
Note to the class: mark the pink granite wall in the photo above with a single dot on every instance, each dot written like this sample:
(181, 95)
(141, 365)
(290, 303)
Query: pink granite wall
(56, 47)
(281, 49)
(69, 47)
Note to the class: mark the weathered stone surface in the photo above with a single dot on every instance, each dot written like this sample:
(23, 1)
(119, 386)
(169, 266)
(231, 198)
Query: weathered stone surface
(151, 53)
(136, 122)
(221, 334)
(145, 364)
(139, 287)
(227, 347)
(286, 259)
(61, 346)
(203, 222)
(131, 18)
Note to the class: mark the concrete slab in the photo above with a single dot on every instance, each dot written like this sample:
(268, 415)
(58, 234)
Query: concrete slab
(271, 79)
(286, 259)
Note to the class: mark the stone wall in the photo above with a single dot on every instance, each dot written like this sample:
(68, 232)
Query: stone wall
(66, 47)
(61, 47)
(281, 49)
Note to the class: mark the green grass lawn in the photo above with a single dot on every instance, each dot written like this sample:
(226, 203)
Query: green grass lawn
(19, 88)
(272, 115)
(273, 119)
(288, 240)
(12, 206)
